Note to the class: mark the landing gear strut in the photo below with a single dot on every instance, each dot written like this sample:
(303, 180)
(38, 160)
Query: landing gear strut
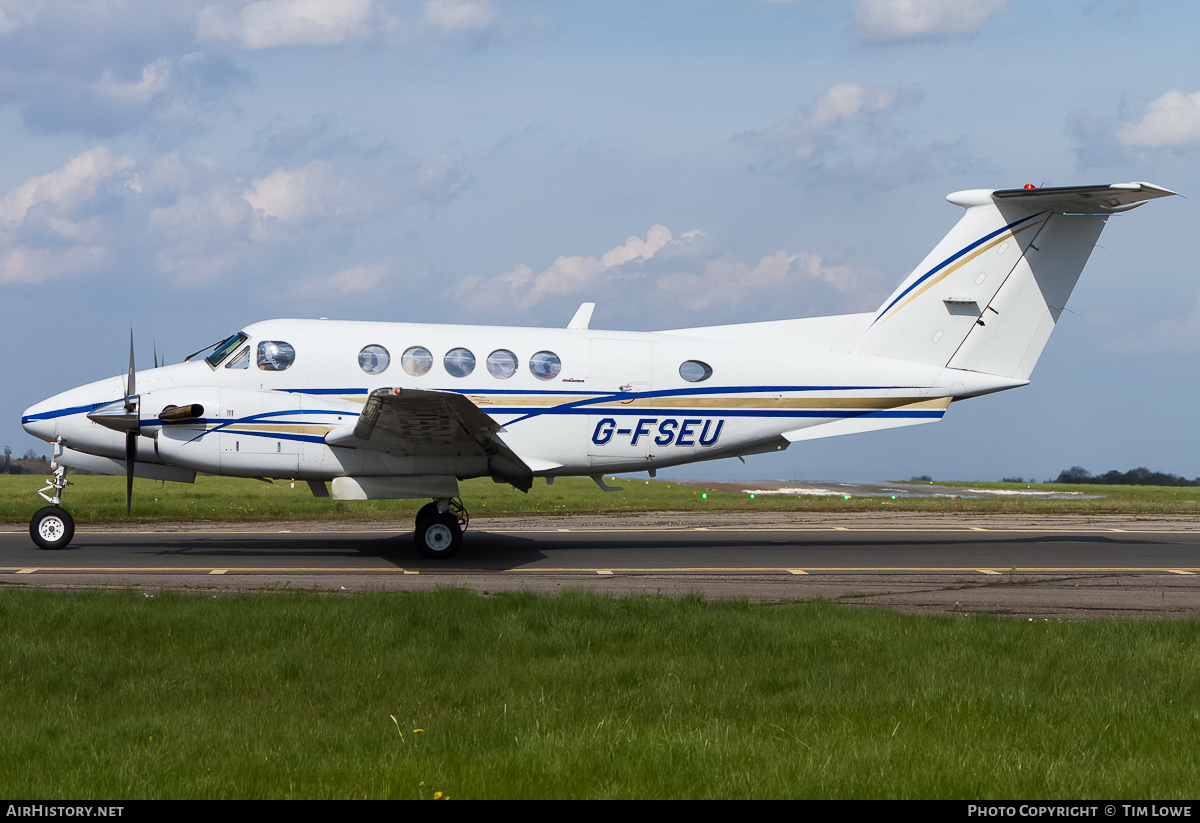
(440, 527)
(51, 527)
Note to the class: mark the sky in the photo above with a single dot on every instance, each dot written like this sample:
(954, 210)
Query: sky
(184, 169)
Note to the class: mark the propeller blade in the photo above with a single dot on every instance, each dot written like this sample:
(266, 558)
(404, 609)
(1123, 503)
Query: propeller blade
(131, 388)
(130, 458)
(132, 408)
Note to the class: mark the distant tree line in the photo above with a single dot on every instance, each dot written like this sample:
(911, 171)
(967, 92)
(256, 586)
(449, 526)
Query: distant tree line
(1134, 477)
(31, 463)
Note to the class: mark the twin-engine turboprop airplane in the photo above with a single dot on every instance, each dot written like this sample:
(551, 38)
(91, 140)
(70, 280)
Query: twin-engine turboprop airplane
(406, 410)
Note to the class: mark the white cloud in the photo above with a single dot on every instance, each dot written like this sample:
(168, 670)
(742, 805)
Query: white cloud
(686, 274)
(41, 235)
(64, 188)
(272, 23)
(50, 225)
(357, 279)
(296, 195)
(16, 13)
(806, 135)
(28, 265)
(201, 235)
(1171, 121)
(459, 15)
(354, 281)
(727, 281)
(886, 20)
(439, 180)
(221, 206)
(636, 248)
(570, 274)
(155, 79)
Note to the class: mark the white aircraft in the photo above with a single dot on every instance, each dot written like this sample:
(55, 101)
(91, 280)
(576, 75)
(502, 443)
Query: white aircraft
(406, 410)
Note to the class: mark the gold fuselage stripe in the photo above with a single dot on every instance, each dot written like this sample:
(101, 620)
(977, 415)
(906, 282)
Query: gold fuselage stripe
(955, 267)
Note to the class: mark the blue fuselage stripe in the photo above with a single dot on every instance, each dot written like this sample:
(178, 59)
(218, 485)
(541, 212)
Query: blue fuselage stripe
(590, 404)
(951, 259)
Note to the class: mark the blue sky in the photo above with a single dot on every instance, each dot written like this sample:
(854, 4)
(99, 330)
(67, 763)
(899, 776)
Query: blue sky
(191, 167)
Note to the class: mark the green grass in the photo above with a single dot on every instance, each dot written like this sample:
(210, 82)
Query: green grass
(98, 499)
(95, 499)
(119, 695)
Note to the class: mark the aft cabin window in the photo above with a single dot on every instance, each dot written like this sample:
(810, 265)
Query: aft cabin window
(695, 371)
(502, 364)
(374, 359)
(545, 365)
(275, 355)
(416, 360)
(459, 362)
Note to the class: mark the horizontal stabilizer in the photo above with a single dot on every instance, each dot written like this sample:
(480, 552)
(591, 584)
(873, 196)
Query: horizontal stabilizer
(1083, 199)
(934, 409)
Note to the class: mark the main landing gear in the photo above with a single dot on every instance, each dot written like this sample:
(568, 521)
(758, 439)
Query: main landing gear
(51, 527)
(440, 527)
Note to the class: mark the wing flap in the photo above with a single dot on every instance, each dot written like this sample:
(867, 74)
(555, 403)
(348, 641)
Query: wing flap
(422, 423)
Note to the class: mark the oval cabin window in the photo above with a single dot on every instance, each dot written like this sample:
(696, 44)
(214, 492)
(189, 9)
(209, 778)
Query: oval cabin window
(545, 365)
(502, 364)
(416, 360)
(374, 359)
(459, 362)
(695, 371)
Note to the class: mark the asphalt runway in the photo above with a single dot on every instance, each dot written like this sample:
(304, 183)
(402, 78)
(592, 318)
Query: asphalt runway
(1065, 568)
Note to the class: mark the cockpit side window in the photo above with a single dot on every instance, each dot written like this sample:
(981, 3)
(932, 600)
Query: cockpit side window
(242, 361)
(225, 348)
(275, 355)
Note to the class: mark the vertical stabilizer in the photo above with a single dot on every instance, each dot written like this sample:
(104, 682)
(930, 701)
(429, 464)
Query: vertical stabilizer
(988, 295)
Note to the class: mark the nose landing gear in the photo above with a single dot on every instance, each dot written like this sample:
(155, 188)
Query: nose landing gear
(51, 527)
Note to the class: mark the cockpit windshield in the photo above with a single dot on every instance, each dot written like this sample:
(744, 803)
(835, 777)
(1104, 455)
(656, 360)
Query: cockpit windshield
(225, 348)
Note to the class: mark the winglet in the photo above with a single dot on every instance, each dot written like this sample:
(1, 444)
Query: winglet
(583, 316)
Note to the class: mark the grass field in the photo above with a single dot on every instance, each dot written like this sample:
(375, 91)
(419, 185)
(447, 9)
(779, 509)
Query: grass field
(96, 499)
(419, 695)
(293, 695)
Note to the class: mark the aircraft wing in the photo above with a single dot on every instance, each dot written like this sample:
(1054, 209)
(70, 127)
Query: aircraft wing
(416, 422)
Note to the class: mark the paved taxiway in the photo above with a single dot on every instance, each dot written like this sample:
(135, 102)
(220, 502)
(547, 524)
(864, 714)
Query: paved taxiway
(1050, 567)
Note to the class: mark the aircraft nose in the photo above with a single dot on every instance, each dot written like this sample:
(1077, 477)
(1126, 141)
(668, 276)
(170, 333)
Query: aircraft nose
(42, 419)
(38, 421)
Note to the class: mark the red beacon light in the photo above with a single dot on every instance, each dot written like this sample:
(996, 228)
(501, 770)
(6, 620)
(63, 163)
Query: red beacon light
(1030, 186)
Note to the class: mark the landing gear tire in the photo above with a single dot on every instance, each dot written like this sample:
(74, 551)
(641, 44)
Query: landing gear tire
(424, 513)
(51, 528)
(438, 536)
